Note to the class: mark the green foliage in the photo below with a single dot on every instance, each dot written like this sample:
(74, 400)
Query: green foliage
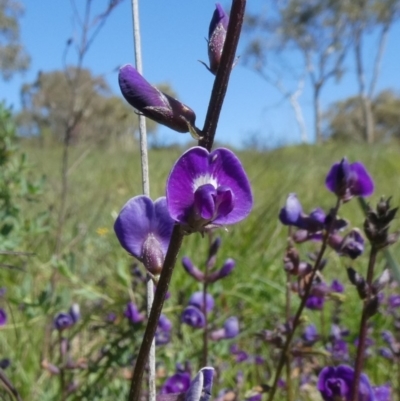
(345, 118)
(16, 187)
(95, 271)
(12, 55)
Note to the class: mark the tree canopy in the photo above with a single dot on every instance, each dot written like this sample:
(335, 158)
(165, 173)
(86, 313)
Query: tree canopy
(13, 57)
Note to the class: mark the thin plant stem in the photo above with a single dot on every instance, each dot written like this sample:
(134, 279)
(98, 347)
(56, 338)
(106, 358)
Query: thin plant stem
(146, 191)
(363, 326)
(289, 390)
(205, 331)
(159, 297)
(208, 133)
(62, 369)
(307, 291)
(9, 386)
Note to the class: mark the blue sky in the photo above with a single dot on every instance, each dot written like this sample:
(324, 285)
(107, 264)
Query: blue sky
(173, 39)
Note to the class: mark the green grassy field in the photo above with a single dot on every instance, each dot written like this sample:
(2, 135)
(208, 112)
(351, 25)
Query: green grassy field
(93, 269)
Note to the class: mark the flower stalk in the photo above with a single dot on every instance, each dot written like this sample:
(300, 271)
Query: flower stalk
(208, 133)
(363, 326)
(296, 320)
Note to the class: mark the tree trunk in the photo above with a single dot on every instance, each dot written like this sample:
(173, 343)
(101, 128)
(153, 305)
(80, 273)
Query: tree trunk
(317, 113)
(364, 99)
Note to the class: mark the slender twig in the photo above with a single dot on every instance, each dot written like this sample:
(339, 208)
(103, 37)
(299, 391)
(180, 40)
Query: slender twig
(363, 326)
(208, 132)
(146, 191)
(305, 295)
(289, 390)
(62, 367)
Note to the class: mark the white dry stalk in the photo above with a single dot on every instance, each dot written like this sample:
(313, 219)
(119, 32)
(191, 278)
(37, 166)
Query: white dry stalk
(146, 191)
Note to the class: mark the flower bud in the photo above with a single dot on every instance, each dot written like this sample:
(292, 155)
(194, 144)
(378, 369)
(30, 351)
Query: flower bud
(154, 104)
(153, 256)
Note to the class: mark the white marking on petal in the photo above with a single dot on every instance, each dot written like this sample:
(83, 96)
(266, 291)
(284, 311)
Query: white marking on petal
(204, 179)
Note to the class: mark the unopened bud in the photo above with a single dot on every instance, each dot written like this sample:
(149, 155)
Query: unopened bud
(153, 256)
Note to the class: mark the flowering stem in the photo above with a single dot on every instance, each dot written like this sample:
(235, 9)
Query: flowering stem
(62, 370)
(288, 358)
(363, 326)
(224, 71)
(208, 133)
(307, 291)
(159, 297)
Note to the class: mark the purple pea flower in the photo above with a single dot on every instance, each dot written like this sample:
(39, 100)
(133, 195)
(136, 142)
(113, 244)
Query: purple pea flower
(178, 383)
(163, 332)
(205, 189)
(291, 213)
(230, 330)
(154, 104)
(310, 334)
(351, 245)
(335, 383)
(216, 38)
(197, 300)
(201, 386)
(5, 363)
(3, 317)
(337, 286)
(144, 229)
(315, 302)
(63, 321)
(197, 274)
(339, 350)
(383, 393)
(194, 317)
(348, 180)
(394, 301)
(132, 313)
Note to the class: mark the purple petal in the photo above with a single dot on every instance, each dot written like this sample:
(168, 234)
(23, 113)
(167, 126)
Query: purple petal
(132, 313)
(178, 383)
(137, 91)
(152, 103)
(193, 317)
(3, 317)
(204, 201)
(197, 299)
(192, 269)
(201, 386)
(231, 327)
(225, 201)
(291, 212)
(197, 167)
(138, 219)
(219, 17)
(362, 184)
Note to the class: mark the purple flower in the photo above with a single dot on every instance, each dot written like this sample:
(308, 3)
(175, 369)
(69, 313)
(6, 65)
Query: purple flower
(193, 317)
(352, 245)
(163, 332)
(230, 330)
(178, 383)
(155, 104)
(310, 334)
(192, 269)
(315, 302)
(132, 313)
(4, 363)
(144, 229)
(216, 38)
(339, 350)
(337, 286)
(291, 213)
(394, 301)
(383, 393)
(208, 189)
(201, 386)
(348, 180)
(3, 317)
(197, 300)
(336, 383)
(63, 321)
